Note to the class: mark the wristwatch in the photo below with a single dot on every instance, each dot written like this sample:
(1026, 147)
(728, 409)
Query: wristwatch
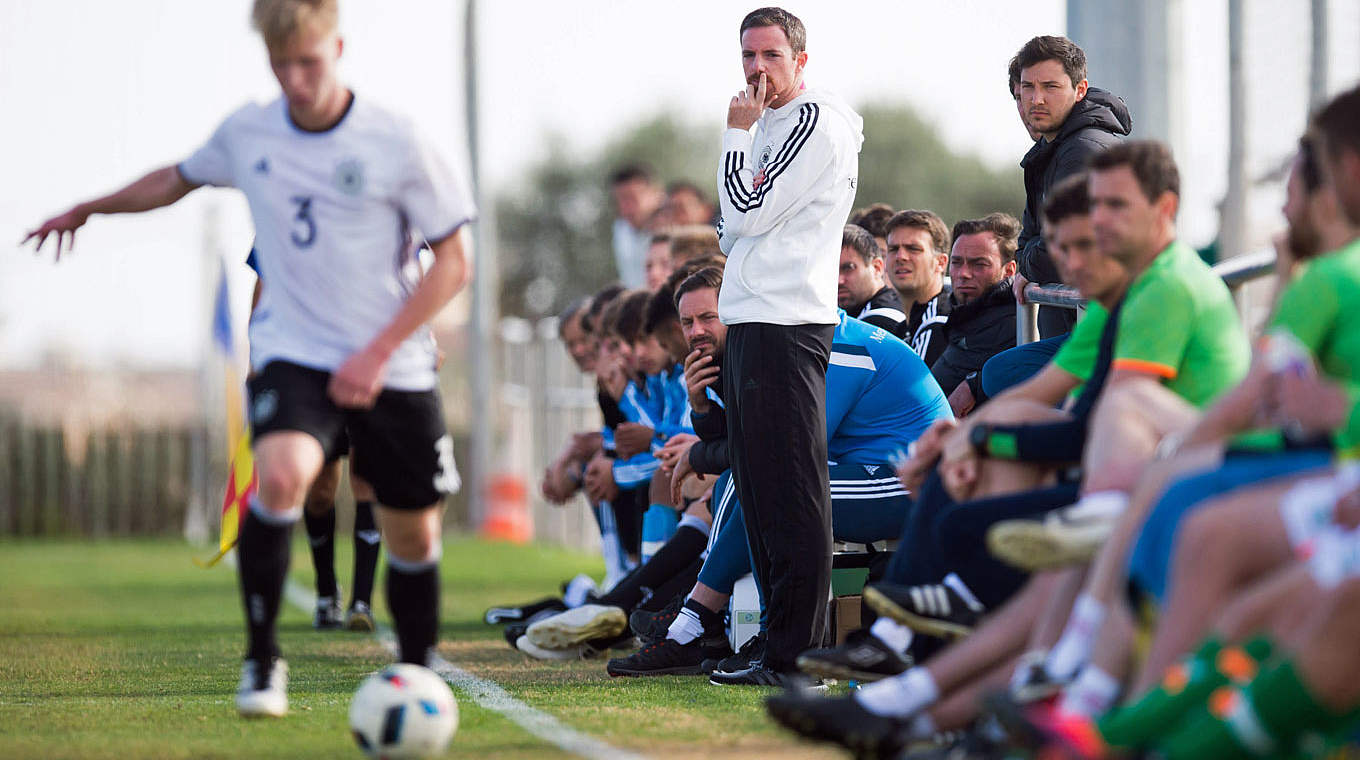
(978, 436)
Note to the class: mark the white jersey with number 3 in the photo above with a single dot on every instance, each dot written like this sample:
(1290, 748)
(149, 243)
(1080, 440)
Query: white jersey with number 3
(335, 213)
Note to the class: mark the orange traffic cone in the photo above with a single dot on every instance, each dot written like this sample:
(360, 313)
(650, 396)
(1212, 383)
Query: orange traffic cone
(507, 513)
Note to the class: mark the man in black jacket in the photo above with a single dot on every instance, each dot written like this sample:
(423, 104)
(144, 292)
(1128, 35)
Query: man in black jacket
(1074, 122)
(860, 286)
(982, 307)
(918, 255)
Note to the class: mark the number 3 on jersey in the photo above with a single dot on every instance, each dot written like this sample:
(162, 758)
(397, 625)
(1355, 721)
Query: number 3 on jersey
(304, 226)
(446, 479)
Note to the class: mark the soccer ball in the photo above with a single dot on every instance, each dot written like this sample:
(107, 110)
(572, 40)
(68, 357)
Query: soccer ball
(403, 711)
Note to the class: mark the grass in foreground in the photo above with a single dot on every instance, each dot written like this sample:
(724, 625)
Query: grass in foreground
(125, 649)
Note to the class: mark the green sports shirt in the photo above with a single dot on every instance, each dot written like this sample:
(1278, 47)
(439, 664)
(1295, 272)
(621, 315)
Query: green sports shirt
(1321, 308)
(1178, 323)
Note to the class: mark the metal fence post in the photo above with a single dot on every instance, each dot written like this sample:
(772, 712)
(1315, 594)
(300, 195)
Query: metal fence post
(1026, 323)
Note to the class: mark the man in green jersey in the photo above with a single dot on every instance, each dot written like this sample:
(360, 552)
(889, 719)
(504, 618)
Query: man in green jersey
(1262, 560)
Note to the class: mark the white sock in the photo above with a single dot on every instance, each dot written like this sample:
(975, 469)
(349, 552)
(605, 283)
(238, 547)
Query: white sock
(1091, 694)
(922, 726)
(686, 627)
(1074, 647)
(955, 582)
(896, 636)
(1023, 666)
(899, 696)
(1100, 504)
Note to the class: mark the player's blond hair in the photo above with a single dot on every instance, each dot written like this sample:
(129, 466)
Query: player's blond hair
(278, 20)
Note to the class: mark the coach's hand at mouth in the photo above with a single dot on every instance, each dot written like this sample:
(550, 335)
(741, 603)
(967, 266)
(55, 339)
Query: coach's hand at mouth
(747, 105)
(359, 380)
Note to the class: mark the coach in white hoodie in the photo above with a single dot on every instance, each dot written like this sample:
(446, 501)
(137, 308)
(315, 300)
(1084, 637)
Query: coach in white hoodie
(786, 188)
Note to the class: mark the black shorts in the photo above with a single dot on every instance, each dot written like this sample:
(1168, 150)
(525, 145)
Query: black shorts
(342, 447)
(401, 446)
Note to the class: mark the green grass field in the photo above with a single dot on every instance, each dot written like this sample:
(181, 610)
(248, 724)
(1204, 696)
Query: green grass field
(122, 649)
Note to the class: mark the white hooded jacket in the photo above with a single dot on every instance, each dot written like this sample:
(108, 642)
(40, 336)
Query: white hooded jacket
(786, 189)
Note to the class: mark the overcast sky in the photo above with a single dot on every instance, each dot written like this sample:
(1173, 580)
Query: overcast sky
(98, 92)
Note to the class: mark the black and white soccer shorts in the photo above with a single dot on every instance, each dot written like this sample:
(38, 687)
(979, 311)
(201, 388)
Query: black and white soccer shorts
(401, 446)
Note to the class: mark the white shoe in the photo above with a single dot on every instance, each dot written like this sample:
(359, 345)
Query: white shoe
(256, 699)
(577, 626)
(528, 647)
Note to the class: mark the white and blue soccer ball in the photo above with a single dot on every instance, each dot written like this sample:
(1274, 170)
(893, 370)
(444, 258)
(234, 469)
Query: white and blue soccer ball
(403, 711)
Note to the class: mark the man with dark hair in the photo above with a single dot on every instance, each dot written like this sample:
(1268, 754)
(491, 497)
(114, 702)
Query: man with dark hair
(982, 307)
(786, 183)
(686, 204)
(1073, 121)
(637, 197)
(918, 256)
(860, 287)
(874, 219)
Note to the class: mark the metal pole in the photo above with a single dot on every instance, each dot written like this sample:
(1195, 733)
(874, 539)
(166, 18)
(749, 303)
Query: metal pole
(480, 361)
(1232, 231)
(1317, 69)
(1026, 323)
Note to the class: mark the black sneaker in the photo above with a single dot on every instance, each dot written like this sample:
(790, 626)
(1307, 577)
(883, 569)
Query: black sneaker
(501, 615)
(329, 614)
(750, 653)
(669, 657)
(933, 609)
(839, 720)
(863, 657)
(759, 675)
(653, 626)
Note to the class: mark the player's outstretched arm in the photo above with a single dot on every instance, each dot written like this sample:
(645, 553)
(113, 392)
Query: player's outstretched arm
(159, 188)
(357, 382)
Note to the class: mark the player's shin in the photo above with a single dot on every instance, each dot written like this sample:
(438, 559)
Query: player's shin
(263, 555)
(413, 599)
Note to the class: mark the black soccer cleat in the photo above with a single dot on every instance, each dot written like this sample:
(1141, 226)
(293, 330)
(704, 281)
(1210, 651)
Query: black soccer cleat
(502, 615)
(653, 626)
(863, 657)
(329, 615)
(759, 675)
(669, 657)
(751, 652)
(839, 720)
(933, 609)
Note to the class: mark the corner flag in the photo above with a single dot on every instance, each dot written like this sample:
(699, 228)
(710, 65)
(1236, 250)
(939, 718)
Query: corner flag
(241, 477)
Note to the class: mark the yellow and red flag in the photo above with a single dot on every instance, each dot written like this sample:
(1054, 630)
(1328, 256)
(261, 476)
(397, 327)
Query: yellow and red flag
(241, 476)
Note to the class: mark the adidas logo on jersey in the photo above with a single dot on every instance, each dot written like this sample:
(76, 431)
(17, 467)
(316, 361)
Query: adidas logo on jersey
(262, 166)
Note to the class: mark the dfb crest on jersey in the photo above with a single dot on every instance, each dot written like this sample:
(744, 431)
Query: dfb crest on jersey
(349, 177)
(264, 406)
(765, 157)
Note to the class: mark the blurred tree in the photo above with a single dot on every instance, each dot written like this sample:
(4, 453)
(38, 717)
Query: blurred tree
(554, 227)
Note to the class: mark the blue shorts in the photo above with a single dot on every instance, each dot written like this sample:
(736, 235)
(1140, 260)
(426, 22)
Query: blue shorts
(1151, 559)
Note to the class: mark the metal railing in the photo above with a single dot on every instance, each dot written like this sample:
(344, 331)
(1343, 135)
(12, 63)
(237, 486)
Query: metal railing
(1236, 272)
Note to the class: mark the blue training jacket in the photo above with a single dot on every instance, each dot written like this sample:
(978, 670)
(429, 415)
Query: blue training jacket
(880, 396)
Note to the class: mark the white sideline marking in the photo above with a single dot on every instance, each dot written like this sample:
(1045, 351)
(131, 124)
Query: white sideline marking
(488, 694)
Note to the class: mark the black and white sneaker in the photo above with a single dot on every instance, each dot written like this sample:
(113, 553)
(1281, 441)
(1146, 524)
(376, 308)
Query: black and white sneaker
(933, 609)
(669, 657)
(263, 692)
(863, 657)
(750, 653)
(759, 675)
(329, 614)
(503, 615)
(653, 626)
(840, 720)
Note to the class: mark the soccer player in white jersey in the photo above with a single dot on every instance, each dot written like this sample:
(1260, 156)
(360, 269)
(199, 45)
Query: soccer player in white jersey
(336, 186)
